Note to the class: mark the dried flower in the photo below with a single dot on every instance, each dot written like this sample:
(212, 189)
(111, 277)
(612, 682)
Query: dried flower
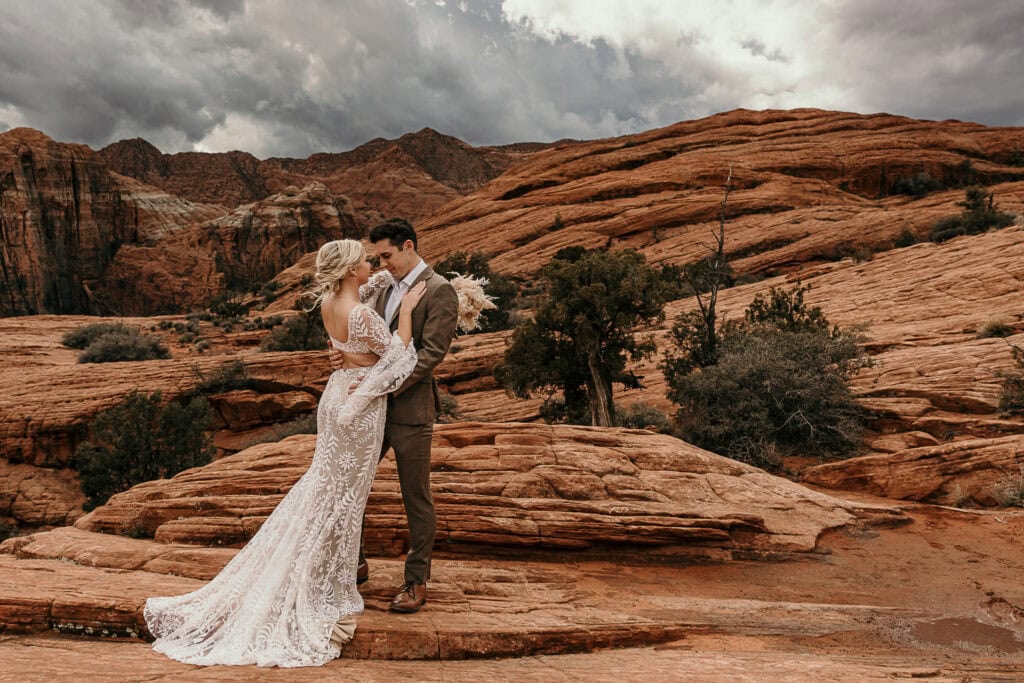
(473, 300)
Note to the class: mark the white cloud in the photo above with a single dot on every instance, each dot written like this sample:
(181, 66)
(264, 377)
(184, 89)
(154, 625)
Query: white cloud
(285, 78)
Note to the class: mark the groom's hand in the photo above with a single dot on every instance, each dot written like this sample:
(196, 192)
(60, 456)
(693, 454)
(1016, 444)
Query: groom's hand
(336, 357)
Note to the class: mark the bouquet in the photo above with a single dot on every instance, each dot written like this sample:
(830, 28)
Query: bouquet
(473, 300)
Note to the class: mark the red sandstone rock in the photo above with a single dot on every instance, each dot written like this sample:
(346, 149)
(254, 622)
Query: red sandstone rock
(409, 177)
(38, 496)
(976, 470)
(809, 186)
(513, 485)
(64, 215)
(244, 248)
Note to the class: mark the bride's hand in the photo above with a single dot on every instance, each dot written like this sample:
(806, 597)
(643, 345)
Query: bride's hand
(413, 297)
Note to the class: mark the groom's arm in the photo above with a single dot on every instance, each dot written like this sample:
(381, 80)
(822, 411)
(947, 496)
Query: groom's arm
(438, 331)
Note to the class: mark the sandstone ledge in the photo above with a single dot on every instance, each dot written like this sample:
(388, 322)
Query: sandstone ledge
(515, 486)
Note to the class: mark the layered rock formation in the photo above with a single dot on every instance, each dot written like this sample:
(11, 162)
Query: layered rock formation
(63, 216)
(809, 185)
(410, 177)
(514, 486)
(226, 178)
(246, 247)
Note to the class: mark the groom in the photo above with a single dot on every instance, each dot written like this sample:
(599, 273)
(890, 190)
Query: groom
(414, 405)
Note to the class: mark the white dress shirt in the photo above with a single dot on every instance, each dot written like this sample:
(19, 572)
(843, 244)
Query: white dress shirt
(400, 289)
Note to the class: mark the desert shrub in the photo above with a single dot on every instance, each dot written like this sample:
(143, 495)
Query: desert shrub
(230, 376)
(7, 529)
(946, 229)
(139, 440)
(1011, 397)
(302, 332)
(916, 185)
(859, 253)
(305, 424)
(979, 214)
(449, 409)
(996, 326)
(500, 287)
(640, 415)
(777, 384)
(906, 238)
(771, 388)
(80, 337)
(1008, 491)
(269, 291)
(229, 305)
(125, 344)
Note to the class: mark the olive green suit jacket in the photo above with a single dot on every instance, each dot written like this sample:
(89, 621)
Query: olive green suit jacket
(434, 319)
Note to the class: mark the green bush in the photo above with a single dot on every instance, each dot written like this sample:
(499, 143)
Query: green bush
(7, 529)
(230, 376)
(140, 440)
(229, 305)
(80, 337)
(771, 392)
(300, 425)
(126, 344)
(640, 415)
(916, 185)
(777, 384)
(1011, 397)
(906, 238)
(302, 332)
(979, 214)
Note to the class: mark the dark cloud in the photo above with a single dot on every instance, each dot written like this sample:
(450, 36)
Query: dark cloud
(290, 78)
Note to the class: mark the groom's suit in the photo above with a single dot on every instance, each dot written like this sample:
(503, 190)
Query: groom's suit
(412, 409)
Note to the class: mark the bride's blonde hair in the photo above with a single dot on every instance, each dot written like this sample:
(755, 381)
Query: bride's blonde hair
(334, 262)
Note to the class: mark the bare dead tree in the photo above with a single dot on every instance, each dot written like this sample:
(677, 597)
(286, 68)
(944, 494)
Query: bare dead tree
(718, 271)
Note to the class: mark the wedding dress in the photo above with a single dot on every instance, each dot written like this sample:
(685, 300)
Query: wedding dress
(277, 601)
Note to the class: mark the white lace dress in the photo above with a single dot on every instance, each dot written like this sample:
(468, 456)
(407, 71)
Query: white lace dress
(276, 602)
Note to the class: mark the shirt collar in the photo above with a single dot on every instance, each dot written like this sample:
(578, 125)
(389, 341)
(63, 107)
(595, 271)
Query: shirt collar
(409, 279)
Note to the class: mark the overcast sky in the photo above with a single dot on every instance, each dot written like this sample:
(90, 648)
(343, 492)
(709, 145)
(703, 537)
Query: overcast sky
(293, 77)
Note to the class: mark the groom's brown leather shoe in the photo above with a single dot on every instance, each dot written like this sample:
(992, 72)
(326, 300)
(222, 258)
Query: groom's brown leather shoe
(363, 572)
(410, 597)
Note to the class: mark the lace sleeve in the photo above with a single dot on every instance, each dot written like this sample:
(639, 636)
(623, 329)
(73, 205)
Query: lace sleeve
(377, 283)
(397, 361)
(370, 329)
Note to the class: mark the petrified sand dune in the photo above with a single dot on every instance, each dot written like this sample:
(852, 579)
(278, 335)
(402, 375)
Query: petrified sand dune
(514, 485)
(809, 184)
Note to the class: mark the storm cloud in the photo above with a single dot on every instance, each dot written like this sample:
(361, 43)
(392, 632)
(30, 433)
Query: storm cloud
(291, 78)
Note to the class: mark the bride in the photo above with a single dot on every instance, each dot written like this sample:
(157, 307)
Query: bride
(288, 598)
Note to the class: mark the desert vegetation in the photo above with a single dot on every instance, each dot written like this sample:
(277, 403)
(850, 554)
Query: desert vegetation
(776, 383)
(113, 342)
(980, 214)
(141, 439)
(582, 334)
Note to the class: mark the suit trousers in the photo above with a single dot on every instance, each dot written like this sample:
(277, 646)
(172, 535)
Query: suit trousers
(412, 456)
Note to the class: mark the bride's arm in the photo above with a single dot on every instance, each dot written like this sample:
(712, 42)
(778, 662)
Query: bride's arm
(377, 283)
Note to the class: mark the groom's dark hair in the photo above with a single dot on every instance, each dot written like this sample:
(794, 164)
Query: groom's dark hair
(397, 230)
